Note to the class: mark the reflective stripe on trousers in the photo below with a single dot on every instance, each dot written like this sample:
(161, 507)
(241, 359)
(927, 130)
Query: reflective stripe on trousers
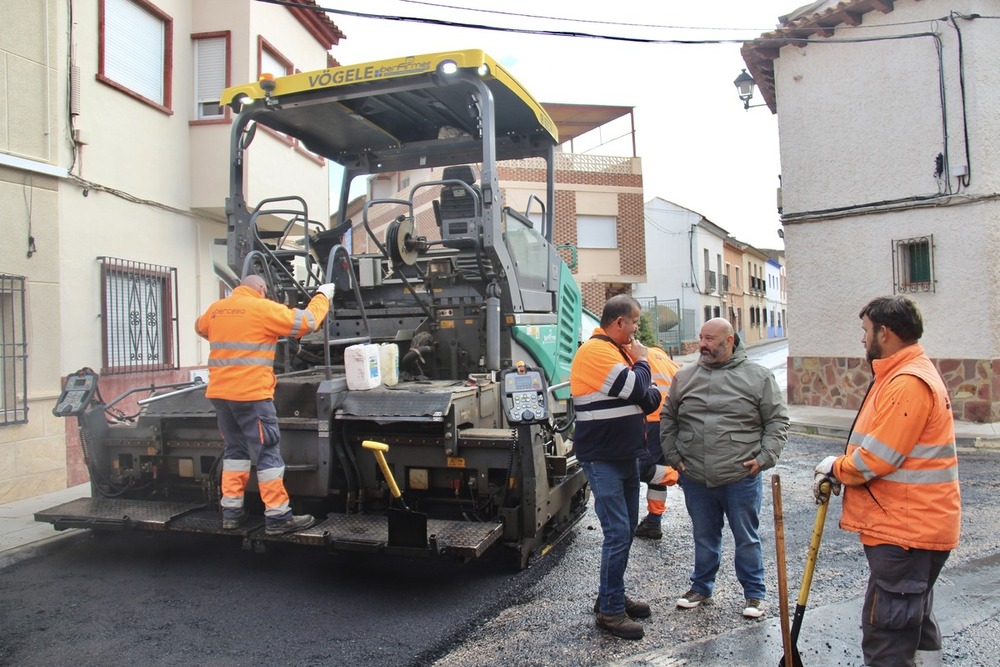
(249, 430)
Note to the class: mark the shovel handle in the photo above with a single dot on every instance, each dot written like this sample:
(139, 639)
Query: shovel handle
(377, 448)
(817, 536)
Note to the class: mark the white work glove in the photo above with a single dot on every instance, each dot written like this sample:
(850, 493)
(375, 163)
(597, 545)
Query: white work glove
(824, 473)
(327, 290)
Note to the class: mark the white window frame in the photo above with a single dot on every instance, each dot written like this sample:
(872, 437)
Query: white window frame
(598, 232)
(211, 56)
(136, 50)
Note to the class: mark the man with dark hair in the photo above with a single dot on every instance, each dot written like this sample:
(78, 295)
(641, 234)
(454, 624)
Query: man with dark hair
(901, 472)
(724, 421)
(611, 388)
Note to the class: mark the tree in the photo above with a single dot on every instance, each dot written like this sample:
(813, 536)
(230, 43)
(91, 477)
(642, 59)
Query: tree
(646, 333)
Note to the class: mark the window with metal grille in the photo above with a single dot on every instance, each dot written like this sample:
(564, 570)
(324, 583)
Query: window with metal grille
(913, 264)
(139, 306)
(13, 352)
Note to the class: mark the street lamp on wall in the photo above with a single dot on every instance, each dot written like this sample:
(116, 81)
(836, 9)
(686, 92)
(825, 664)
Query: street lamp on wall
(744, 87)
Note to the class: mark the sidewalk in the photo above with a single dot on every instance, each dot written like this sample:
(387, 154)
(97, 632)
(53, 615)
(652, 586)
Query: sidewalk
(22, 537)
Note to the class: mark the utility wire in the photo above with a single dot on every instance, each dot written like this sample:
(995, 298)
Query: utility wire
(576, 20)
(588, 35)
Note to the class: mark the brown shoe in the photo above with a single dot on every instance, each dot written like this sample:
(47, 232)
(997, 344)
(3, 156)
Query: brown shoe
(620, 625)
(633, 608)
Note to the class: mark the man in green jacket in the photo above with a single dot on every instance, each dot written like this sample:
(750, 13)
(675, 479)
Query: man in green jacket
(724, 421)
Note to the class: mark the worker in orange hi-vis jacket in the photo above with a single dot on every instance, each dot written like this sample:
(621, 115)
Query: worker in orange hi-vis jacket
(243, 331)
(652, 467)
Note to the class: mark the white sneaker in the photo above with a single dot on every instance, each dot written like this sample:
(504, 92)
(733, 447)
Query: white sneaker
(754, 608)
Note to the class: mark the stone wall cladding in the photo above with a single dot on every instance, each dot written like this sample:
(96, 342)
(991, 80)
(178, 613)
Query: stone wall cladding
(841, 382)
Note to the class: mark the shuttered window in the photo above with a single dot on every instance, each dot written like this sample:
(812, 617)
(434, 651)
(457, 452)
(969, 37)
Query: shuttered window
(596, 231)
(135, 49)
(272, 63)
(210, 75)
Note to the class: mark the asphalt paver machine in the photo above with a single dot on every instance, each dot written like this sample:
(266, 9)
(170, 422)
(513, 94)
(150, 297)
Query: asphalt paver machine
(484, 314)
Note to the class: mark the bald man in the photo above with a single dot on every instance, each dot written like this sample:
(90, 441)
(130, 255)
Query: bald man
(243, 331)
(724, 421)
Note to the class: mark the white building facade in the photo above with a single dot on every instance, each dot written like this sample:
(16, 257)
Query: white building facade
(890, 156)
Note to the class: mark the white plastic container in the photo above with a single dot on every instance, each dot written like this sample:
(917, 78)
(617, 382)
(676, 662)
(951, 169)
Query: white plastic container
(362, 367)
(388, 362)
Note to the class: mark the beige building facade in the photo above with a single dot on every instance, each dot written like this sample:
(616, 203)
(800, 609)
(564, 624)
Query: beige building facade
(113, 178)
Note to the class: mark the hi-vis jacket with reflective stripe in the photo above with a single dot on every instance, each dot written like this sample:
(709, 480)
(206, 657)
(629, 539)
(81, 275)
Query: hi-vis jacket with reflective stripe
(608, 397)
(663, 369)
(901, 467)
(243, 331)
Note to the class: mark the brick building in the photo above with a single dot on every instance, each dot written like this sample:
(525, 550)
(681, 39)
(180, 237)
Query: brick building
(598, 217)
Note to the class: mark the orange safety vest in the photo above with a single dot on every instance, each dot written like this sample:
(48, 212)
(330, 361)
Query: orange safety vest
(663, 369)
(243, 331)
(902, 490)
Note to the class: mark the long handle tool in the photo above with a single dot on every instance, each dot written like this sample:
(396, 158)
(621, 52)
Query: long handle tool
(779, 545)
(807, 575)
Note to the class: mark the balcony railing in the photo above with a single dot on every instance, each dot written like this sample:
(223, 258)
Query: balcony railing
(710, 282)
(604, 164)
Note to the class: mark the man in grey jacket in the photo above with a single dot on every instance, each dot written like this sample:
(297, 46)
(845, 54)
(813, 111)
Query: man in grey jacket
(724, 421)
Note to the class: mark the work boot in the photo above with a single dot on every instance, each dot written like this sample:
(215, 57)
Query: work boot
(298, 522)
(649, 529)
(620, 625)
(233, 524)
(633, 608)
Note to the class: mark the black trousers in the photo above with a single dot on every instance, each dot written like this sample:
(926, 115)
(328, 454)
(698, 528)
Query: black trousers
(897, 618)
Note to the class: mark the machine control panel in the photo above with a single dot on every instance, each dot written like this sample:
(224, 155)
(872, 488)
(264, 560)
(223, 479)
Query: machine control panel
(77, 393)
(525, 395)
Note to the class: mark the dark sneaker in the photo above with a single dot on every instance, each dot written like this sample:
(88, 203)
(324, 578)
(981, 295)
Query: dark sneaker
(633, 608)
(233, 524)
(649, 530)
(300, 522)
(620, 625)
(691, 599)
(754, 608)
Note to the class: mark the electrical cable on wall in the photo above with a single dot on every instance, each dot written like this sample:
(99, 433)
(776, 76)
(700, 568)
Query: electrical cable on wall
(29, 196)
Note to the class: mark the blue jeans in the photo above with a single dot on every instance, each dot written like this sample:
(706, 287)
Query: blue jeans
(615, 485)
(739, 504)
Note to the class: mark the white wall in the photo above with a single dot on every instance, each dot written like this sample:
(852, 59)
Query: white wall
(668, 250)
(862, 123)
